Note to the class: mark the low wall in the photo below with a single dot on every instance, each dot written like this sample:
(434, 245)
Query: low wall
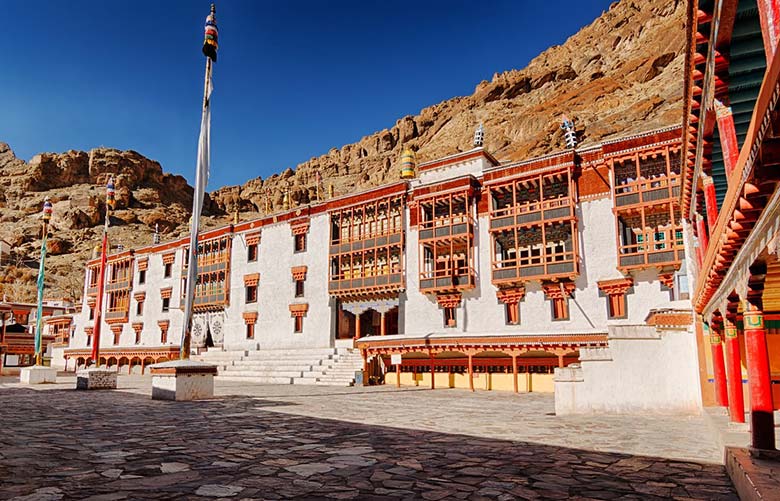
(526, 382)
(643, 370)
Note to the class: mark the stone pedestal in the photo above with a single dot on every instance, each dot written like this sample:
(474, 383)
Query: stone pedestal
(182, 380)
(38, 374)
(96, 379)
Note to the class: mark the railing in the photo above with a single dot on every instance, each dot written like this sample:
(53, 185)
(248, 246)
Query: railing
(668, 249)
(117, 314)
(455, 278)
(549, 265)
(389, 229)
(646, 191)
(346, 284)
(451, 226)
(529, 213)
(366, 243)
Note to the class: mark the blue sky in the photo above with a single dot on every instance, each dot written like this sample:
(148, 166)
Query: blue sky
(293, 78)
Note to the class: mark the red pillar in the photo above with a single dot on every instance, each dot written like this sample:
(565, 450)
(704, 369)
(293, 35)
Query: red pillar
(734, 373)
(514, 371)
(397, 375)
(718, 367)
(728, 138)
(711, 202)
(357, 326)
(762, 422)
(769, 16)
(704, 241)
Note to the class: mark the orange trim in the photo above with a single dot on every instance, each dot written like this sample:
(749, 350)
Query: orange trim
(253, 238)
(143, 263)
(667, 279)
(138, 327)
(299, 227)
(299, 309)
(251, 280)
(511, 296)
(559, 290)
(171, 352)
(164, 324)
(166, 293)
(299, 272)
(618, 286)
(169, 258)
(116, 329)
(449, 300)
(140, 296)
(250, 317)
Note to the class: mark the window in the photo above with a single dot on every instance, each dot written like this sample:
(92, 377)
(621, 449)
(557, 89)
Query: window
(89, 339)
(139, 308)
(138, 336)
(142, 277)
(512, 311)
(117, 334)
(450, 319)
(299, 288)
(166, 304)
(298, 324)
(92, 313)
(300, 242)
(168, 270)
(251, 252)
(560, 308)
(250, 331)
(164, 335)
(251, 294)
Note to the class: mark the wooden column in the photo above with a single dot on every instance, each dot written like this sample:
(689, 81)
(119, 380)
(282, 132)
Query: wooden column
(433, 372)
(397, 375)
(143, 365)
(382, 324)
(734, 371)
(769, 17)
(471, 374)
(718, 367)
(728, 138)
(357, 326)
(560, 360)
(762, 422)
(514, 371)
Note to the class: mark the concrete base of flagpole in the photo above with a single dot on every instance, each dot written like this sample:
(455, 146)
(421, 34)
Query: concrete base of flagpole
(182, 380)
(96, 378)
(38, 374)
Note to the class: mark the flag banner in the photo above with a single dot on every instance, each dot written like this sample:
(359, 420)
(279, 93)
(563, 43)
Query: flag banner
(201, 180)
(38, 319)
(210, 36)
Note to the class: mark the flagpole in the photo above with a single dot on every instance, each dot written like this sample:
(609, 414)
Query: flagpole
(201, 180)
(110, 200)
(47, 210)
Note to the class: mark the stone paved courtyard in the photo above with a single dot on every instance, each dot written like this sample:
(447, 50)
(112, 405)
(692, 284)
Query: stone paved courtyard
(276, 442)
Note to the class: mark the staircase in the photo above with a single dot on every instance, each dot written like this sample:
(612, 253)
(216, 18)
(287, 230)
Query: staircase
(324, 366)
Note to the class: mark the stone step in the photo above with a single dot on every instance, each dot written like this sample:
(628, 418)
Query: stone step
(256, 379)
(282, 366)
(253, 373)
(305, 380)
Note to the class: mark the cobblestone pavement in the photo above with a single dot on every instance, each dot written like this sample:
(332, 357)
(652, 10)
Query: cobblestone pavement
(276, 442)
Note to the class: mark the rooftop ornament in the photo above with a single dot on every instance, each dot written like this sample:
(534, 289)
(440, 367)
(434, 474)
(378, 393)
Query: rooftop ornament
(479, 136)
(408, 164)
(569, 134)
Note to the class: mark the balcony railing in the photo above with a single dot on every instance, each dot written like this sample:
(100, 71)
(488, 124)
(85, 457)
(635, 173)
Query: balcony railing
(344, 284)
(462, 277)
(530, 213)
(342, 247)
(647, 191)
(461, 224)
(656, 248)
(549, 266)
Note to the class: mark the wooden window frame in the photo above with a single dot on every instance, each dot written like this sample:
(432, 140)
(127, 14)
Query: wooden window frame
(166, 304)
(251, 253)
(167, 270)
(251, 294)
(299, 243)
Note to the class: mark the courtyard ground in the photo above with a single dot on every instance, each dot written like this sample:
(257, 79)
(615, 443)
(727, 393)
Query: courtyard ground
(314, 442)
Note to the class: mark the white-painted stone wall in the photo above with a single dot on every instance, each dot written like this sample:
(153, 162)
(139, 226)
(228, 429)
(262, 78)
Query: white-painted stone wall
(643, 370)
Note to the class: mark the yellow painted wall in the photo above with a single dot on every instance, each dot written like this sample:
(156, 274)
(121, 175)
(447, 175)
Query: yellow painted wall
(542, 383)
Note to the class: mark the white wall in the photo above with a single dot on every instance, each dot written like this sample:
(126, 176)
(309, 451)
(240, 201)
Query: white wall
(643, 370)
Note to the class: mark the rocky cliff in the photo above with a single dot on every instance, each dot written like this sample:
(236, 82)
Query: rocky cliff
(619, 75)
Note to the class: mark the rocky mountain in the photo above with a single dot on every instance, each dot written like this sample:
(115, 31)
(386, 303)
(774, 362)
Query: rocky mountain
(619, 75)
